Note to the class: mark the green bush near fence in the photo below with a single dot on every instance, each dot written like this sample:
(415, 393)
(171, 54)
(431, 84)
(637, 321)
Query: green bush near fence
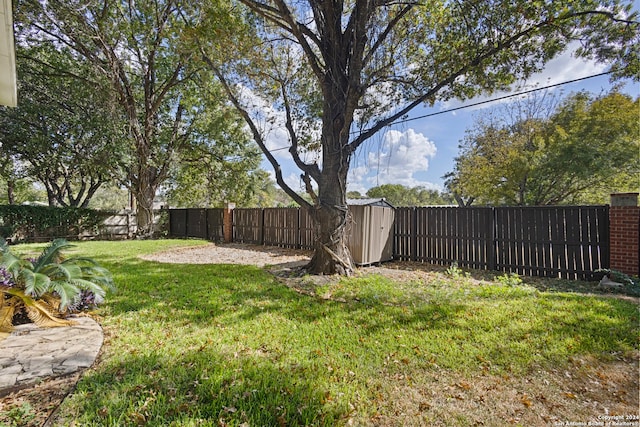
(24, 222)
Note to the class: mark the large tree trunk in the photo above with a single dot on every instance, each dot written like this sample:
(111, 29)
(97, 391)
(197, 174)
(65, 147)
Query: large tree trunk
(11, 185)
(330, 223)
(331, 213)
(144, 191)
(51, 195)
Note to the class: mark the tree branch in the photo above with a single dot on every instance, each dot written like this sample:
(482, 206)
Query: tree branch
(310, 169)
(283, 18)
(256, 134)
(309, 188)
(383, 36)
(475, 62)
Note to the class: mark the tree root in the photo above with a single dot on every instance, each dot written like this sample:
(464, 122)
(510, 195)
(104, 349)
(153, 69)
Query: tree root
(347, 266)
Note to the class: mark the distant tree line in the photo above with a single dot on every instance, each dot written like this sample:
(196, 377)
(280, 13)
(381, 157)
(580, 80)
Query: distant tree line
(549, 150)
(400, 195)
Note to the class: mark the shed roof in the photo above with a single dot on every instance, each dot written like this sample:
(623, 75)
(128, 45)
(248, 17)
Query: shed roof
(370, 202)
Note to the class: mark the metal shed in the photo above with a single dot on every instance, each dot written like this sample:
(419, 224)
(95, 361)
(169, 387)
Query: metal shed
(371, 236)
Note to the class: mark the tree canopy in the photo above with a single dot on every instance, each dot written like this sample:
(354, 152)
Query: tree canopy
(570, 152)
(219, 165)
(338, 72)
(65, 131)
(160, 90)
(400, 195)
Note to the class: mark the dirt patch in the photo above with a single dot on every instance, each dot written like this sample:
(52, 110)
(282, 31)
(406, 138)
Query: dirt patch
(287, 263)
(586, 391)
(294, 277)
(232, 253)
(33, 406)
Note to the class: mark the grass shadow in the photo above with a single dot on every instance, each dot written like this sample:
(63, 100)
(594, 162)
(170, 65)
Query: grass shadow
(201, 387)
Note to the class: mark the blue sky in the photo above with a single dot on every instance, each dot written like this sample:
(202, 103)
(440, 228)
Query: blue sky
(420, 152)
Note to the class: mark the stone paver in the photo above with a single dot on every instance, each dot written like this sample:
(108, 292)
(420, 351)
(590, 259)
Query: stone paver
(30, 353)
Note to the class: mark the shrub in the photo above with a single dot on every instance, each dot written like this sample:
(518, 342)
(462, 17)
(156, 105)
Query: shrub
(21, 222)
(49, 287)
(617, 276)
(456, 272)
(509, 279)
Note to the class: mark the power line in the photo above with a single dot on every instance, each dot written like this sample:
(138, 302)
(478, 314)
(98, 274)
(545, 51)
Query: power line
(500, 98)
(487, 101)
(278, 149)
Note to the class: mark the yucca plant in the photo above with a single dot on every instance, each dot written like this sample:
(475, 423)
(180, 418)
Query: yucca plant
(48, 287)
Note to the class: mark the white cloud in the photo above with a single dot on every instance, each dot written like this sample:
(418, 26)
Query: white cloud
(357, 179)
(269, 121)
(401, 156)
(271, 125)
(270, 171)
(564, 68)
(294, 181)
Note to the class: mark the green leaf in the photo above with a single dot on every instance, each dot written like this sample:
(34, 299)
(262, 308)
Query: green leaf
(52, 253)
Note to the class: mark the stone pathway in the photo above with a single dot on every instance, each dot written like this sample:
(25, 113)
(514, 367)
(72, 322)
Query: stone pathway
(31, 353)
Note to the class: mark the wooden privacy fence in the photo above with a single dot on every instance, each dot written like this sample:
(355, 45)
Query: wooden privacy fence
(566, 241)
(569, 242)
(443, 235)
(283, 227)
(201, 223)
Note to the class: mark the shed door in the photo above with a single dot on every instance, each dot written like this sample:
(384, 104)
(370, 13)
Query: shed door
(383, 232)
(371, 238)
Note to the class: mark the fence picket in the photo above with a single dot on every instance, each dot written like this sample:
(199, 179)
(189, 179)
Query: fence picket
(178, 222)
(215, 224)
(248, 225)
(281, 227)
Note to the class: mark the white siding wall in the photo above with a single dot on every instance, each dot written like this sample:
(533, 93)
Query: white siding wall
(8, 91)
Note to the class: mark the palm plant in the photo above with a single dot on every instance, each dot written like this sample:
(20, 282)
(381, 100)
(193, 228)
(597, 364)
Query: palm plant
(47, 287)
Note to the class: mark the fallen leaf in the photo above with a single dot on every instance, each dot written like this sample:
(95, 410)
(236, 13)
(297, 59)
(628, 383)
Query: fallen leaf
(481, 359)
(526, 401)
(424, 406)
(139, 418)
(464, 385)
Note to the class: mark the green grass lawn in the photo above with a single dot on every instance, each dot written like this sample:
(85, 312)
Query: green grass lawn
(219, 345)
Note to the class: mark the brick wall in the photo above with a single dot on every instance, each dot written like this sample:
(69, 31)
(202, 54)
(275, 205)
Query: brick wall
(227, 222)
(624, 233)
